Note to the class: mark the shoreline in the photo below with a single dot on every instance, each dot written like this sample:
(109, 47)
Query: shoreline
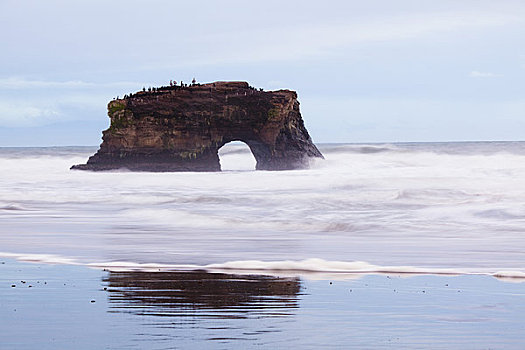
(312, 268)
(75, 306)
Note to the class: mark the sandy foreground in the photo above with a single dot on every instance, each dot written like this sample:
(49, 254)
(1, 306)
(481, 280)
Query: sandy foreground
(73, 307)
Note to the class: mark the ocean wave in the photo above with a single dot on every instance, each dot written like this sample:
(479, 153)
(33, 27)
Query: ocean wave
(41, 258)
(443, 148)
(500, 214)
(12, 207)
(314, 268)
(358, 148)
(437, 195)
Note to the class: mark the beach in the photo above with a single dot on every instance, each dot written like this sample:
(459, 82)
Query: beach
(61, 306)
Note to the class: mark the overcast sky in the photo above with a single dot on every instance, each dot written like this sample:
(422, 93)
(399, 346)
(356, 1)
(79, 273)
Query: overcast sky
(365, 71)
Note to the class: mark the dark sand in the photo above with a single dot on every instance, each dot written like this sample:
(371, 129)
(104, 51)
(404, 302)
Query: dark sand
(72, 307)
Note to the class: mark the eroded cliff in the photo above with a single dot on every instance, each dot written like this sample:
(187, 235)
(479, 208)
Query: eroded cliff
(181, 128)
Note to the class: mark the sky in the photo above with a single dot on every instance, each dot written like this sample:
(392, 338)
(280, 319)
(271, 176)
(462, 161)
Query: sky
(364, 71)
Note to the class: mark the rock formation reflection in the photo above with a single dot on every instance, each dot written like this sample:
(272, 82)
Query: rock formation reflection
(202, 294)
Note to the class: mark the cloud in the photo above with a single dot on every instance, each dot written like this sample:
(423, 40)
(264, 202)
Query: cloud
(477, 74)
(35, 103)
(315, 40)
(50, 108)
(377, 119)
(16, 115)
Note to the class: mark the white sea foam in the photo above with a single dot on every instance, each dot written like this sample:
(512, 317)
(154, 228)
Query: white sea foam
(309, 268)
(426, 206)
(41, 258)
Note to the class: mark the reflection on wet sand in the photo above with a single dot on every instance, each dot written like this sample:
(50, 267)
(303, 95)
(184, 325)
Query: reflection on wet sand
(202, 294)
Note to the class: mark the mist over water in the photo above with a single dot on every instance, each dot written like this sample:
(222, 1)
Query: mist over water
(457, 206)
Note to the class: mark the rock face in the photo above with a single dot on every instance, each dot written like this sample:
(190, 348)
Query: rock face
(181, 128)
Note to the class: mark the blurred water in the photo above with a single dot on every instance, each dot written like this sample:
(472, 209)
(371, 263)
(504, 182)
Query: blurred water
(426, 205)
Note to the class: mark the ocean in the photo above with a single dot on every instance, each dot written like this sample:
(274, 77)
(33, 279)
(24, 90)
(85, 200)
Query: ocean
(378, 246)
(440, 208)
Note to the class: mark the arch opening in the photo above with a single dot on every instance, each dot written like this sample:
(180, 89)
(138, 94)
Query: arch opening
(236, 156)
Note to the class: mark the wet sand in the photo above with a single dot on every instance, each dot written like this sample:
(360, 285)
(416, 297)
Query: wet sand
(73, 307)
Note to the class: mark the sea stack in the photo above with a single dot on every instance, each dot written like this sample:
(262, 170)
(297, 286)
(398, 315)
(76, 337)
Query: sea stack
(182, 127)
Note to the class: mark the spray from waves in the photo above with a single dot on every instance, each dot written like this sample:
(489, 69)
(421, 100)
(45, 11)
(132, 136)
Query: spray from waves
(313, 268)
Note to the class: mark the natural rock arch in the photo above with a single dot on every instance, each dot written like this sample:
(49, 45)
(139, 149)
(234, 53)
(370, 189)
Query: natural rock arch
(181, 128)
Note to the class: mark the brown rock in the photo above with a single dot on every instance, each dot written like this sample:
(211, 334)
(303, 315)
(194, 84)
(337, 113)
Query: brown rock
(178, 128)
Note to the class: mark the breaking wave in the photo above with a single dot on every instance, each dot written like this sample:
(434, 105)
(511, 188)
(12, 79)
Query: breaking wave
(308, 268)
